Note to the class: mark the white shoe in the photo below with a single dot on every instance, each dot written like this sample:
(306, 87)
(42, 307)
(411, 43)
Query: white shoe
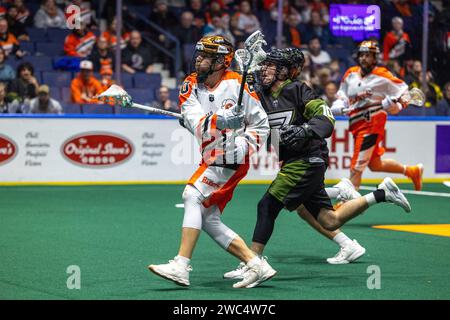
(238, 273)
(348, 253)
(172, 271)
(393, 194)
(347, 190)
(256, 275)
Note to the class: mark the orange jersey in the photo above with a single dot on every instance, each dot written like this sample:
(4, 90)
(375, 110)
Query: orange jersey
(89, 90)
(111, 39)
(8, 42)
(364, 95)
(79, 47)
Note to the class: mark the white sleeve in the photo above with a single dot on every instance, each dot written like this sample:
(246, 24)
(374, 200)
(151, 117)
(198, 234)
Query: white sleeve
(257, 122)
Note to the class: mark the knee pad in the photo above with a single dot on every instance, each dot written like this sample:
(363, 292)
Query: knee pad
(193, 207)
(217, 230)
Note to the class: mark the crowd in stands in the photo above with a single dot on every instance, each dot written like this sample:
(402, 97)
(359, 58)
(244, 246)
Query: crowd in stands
(53, 63)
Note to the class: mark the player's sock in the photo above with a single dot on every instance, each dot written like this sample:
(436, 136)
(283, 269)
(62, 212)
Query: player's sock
(341, 239)
(375, 197)
(183, 261)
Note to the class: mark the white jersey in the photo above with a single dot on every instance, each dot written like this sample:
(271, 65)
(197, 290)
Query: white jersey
(199, 105)
(364, 94)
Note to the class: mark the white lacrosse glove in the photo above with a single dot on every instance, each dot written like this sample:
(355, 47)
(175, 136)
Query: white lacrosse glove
(240, 149)
(339, 107)
(388, 102)
(230, 118)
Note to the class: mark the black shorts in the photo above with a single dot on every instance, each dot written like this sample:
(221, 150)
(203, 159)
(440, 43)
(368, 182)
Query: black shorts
(302, 182)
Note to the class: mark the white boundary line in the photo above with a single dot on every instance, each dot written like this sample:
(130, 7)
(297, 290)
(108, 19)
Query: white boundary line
(447, 183)
(420, 193)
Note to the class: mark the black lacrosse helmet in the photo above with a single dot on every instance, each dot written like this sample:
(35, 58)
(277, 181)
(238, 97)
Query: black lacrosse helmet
(280, 59)
(297, 59)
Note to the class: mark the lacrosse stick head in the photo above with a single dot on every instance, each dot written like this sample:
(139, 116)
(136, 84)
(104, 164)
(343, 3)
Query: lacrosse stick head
(252, 54)
(116, 95)
(416, 97)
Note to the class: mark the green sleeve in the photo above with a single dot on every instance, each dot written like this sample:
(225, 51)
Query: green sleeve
(318, 107)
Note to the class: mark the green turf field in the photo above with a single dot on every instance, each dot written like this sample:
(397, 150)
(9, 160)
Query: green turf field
(113, 232)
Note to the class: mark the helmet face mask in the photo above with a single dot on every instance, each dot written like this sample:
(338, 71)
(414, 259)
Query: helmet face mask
(215, 49)
(365, 49)
(274, 68)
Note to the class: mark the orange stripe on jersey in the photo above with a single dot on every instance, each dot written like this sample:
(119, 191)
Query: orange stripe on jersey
(186, 89)
(350, 70)
(234, 75)
(385, 73)
(198, 173)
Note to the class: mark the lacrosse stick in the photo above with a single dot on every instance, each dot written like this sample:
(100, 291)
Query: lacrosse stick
(415, 97)
(119, 96)
(245, 57)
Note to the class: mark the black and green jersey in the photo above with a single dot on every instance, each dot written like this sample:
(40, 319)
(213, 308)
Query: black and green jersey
(296, 103)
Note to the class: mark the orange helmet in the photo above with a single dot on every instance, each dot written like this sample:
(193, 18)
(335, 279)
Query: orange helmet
(369, 46)
(216, 45)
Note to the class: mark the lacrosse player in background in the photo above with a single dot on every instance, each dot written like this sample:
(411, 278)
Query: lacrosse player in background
(304, 122)
(208, 101)
(368, 93)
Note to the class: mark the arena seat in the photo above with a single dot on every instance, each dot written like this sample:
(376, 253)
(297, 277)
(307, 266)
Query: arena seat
(97, 109)
(71, 108)
(145, 80)
(57, 78)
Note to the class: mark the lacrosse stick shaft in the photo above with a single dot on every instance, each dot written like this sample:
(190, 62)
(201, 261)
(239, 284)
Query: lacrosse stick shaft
(157, 111)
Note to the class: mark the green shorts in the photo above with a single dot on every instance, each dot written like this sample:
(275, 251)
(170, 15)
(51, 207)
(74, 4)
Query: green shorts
(302, 182)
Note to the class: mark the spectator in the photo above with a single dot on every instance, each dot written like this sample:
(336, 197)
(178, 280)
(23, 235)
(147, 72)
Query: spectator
(244, 22)
(110, 35)
(397, 44)
(106, 78)
(187, 32)
(307, 73)
(8, 41)
(163, 101)
(321, 8)
(319, 57)
(49, 16)
(23, 14)
(199, 15)
(324, 77)
(218, 29)
(164, 19)
(15, 26)
(335, 70)
(292, 32)
(318, 29)
(7, 73)
(7, 106)
(216, 9)
(85, 87)
(395, 68)
(25, 85)
(304, 9)
(443, 106)
(101, 56)
(432, 90)
(287, 10)
(330, 92)
(43, 103)
(136, 57)
(80, 42)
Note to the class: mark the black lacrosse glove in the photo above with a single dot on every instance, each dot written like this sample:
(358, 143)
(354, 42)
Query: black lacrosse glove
(295, 137)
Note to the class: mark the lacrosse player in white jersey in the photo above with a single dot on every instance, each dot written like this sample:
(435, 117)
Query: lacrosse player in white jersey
(227, 134)
(367, 94)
